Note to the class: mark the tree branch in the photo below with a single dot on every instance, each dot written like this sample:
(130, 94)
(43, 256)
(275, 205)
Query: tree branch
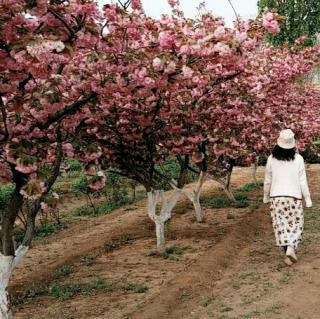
(4, 118)
(57, 16)
(70, 109)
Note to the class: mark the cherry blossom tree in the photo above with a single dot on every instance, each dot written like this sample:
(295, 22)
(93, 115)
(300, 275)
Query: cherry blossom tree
(122, 91)
(43, 91)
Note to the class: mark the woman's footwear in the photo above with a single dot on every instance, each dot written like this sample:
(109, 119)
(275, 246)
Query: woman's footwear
(288, 261)
(291, 254)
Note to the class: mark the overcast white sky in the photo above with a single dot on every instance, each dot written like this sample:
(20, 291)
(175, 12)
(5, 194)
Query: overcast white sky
(245, 8)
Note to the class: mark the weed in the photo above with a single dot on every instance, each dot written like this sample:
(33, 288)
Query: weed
(207, 302)
(96, 285)
(254, 206)
(64, 270)
(88, 260)
(285, 278)
(103, 208)
(135, 287)
(175, 250)
(29, 294)
(73, 165)
(250, 187)
(65, 292)
(5, 194)
(224, 202)
(41, 231)
(236, 285)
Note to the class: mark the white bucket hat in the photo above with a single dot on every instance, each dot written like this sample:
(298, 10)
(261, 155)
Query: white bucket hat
(286, 139)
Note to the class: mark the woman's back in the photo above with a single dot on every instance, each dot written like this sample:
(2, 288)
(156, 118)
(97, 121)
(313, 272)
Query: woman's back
(287, 178)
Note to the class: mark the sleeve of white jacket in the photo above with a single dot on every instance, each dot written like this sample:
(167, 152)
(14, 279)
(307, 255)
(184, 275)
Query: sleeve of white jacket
(267, 181)
(304, 184)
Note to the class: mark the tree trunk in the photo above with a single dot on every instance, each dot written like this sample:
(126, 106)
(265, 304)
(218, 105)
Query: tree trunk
(229, 192)
(194, 197)
(254, 168)
(9, 257)
(225, 182)
(164, 215)
(7, 265)
(5, 273)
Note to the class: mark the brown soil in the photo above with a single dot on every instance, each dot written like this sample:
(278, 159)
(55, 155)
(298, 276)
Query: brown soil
(230, 267)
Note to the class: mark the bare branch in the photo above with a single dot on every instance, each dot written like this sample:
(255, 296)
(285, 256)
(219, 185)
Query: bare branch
(235, 12)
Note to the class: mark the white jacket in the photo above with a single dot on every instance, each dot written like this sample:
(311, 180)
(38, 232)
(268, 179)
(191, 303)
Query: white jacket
(286, 178)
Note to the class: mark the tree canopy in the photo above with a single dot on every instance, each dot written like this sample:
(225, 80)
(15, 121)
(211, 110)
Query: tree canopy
(302, 19)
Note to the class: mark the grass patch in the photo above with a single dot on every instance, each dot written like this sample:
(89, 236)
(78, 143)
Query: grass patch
(6, 192)
(41, 231)
(115, 244)
(286, 276)
(254, 206)
(250, 187)
(207, 302)
(105, 207)
(312, 220)
(135, 287)
(97, 284)
(29, 295)
(241, 201)
(65, 292)
(64, 271)
(170, 253)
(70, 290)
(88, 260)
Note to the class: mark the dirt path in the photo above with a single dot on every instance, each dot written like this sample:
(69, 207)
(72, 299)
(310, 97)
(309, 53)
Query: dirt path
(230, 267)
(194, 285)
(92, 236)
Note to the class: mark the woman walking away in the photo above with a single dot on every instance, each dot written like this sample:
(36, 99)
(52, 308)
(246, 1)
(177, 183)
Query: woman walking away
(285, 183)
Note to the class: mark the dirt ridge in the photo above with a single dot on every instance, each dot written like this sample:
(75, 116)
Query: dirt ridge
(203, 273)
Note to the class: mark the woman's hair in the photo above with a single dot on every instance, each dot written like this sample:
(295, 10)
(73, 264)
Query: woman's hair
(283, 154)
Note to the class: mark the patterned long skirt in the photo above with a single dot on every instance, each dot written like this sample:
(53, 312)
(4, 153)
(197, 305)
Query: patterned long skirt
(287, 220)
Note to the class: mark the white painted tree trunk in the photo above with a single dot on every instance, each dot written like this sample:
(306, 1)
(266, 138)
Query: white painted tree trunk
(164, 214)
(226, 187)
(194, 197)
(229, 192)
(254, 168)
(7, 265)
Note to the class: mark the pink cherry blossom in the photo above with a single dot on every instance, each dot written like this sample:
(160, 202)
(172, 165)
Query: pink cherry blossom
(166, 40)
(187, 72)
(158, 64)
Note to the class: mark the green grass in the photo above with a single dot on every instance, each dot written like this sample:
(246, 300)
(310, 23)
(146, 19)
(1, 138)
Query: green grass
(250, 187)
(65, 292)
(70, 290)
(286, 276)
(105, 207)
(135, 287)
(207, 302)
(171, 253)
(5, 194)
(32, 293)
(312, 220)
(241, 201)
(254, 205)
(40, 231)
(88, 260)
(64, 271)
